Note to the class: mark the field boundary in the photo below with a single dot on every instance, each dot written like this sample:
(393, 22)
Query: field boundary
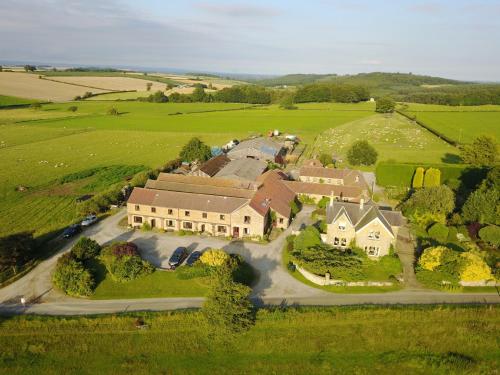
(427, 127)
(77, 84)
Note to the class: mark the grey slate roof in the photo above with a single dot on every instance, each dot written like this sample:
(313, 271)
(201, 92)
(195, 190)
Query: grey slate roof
(245, 169)
(361, 217)
(263, 145)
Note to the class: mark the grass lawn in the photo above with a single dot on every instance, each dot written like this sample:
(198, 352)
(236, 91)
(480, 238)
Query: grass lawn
(13, 100)
(336, 340)
(121, 95)
(461, 124)
(374, 272)
(393, 136)
(39, 146)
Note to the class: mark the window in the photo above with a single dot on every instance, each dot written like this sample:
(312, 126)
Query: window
(204, 215)
(221, 229)
(153, 209)
(281, 220)
(138, 219)
(170, 211)
(137, 208)
(246, 231)
(222, 217)
(187, 225)
(169, 223)
(187, 213)
(372, 235)
(373, 251)
(336, 241)
(343, 242)
(341, 226)
(247, 220)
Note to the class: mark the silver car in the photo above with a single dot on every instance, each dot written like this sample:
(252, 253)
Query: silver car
(89, 220)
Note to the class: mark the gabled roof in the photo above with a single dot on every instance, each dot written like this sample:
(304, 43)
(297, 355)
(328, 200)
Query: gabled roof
(273, 194)
(213, 166)
(325, 189)
(261, 144)
(244, 169)
(350, 177)
(360, 217)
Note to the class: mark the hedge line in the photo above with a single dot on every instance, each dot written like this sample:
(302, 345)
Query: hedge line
(401, 174)
(429, 128)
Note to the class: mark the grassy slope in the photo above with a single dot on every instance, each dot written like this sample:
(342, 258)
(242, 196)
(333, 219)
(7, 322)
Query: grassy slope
(463, 123)
(416, 340)
(13, 100)
(144, 134)
(394, 138)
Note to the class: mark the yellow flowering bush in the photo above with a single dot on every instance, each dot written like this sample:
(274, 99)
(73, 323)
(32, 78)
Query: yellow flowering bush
(214, 257)
(432, 257)
(474, 268)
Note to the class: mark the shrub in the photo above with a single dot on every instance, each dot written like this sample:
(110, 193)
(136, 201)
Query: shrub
(85, 249)
(72, 108)
(323, 202)
(113, 111)
(474, 268)
(439, 232)
(362, 153)
(195, 150)
(307, 238)
(432, 177)
(72, 278)
(490, 234)
(214, 257)
(123, 262)
(326, 159)
(197, 270)
(385, 105)
(435, 200)
(146, 226)
(433, 257)
(418, 178)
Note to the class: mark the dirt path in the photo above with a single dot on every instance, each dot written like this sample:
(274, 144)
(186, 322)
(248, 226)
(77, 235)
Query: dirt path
(406, 252)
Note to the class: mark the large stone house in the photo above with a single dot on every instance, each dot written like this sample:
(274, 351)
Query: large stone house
(216, 206)
(373, 228)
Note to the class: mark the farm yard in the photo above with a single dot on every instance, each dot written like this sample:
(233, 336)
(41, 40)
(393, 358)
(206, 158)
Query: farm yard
(393, 136)
(461, 124)
(52, 142)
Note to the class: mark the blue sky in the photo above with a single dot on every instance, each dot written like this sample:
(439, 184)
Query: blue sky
(456, 39)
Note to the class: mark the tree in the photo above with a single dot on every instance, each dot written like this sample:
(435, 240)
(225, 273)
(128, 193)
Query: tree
(491, 235)
(482, 152)
(85, 249)
(29, 68)
(325, 159)
(385, 105)
(418, 178)
(432, 177)
(123, 262)
(307, 238)
(214, 257)
(362, 153)
(112, 111)
(72, 108)
(227, 308)
(72, 278)
(1, 68)
(16, 249)
(198, 94)
(482, 206)
(148, 86)
(195, 150)
(287, 102)
(35, 106)
(439, 200)
(158, 97)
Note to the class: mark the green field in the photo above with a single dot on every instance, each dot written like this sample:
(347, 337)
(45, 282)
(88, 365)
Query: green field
(393, 136)
(121, 96)
(13, 100)
(461, 124)
(39, 146)
(345, 340)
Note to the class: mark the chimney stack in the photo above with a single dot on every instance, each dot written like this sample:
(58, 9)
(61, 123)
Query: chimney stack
(331, 199)
(361, 203)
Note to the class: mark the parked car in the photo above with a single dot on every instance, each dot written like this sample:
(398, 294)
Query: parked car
(177, 257)
(71, 230)
(193, 257)
(89, 220)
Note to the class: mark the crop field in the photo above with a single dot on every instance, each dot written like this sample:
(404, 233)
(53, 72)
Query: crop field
(25, 85)
(52, 142)
(461, 124)
(394, 137)
(341, 340)
(110, 83)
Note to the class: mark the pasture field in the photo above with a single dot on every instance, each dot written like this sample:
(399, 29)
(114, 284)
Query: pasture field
(25, 85)
(53, 142)
(393, 136)
(335, 340)
(121, 96)
(461, 124)
(13, 100)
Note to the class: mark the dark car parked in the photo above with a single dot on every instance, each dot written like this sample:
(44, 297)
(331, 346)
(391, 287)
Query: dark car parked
(177, 257)
(193, 257)
(71, 230)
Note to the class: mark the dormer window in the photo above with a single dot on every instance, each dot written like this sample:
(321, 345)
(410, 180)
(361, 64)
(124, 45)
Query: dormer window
(342, 226)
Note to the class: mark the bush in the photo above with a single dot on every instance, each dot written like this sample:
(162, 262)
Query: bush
(197, 270)
(72, 278)
(323, 202)
(439, 232)
(433, 257)
(195, 150)
(385, 105)
(214, 257)
(418, 178)
(307, 238)
(113, 111)
(435, 200)
(85, 249)
(432, 177)
(326, 159)
(362, 153)
(123, 262)
(474, 268)
(490, 234)
(72, 108)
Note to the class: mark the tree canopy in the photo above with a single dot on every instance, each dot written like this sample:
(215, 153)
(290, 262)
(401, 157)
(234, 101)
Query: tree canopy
(194, 150)
(482, 152)
(362, 153)
(385, 105)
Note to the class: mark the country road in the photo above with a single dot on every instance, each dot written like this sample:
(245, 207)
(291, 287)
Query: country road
(274, 286)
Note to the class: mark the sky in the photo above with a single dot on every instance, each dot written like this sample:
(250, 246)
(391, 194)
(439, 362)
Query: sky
(450, 38)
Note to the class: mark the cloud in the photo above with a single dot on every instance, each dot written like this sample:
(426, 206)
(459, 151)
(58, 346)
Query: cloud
(238, 10)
